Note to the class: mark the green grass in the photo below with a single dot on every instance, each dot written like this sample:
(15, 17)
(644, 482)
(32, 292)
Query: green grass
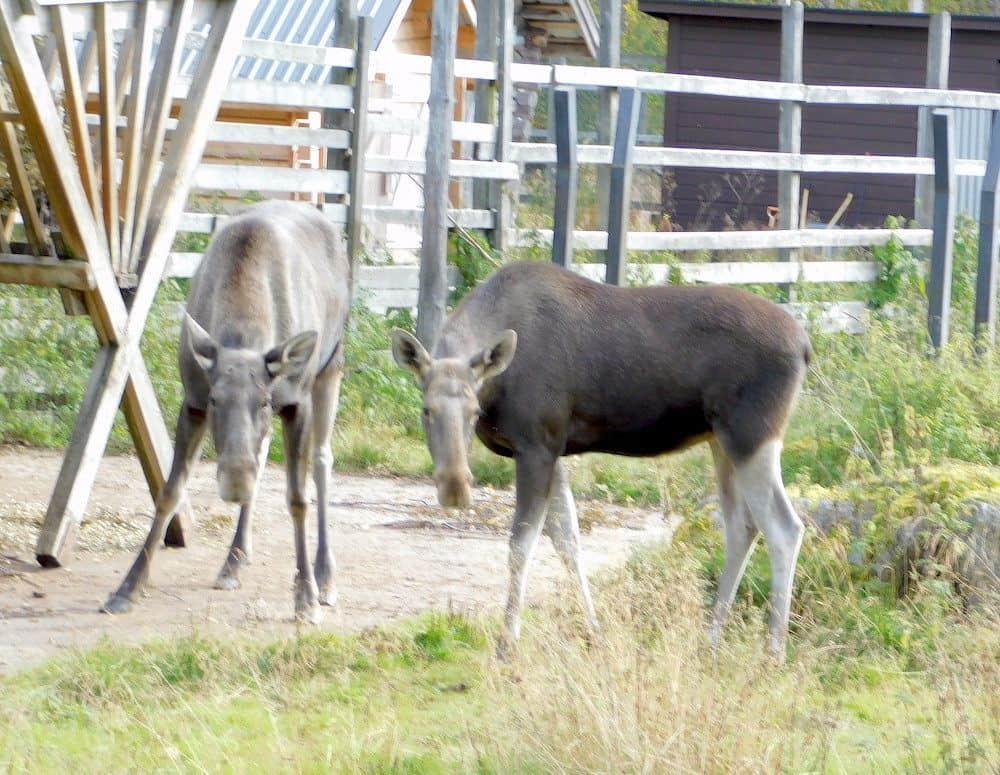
(873, 684)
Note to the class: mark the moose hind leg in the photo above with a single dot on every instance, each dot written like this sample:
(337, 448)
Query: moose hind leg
(326, 397)
(741, 535)
(533, 481)
(759, 481)
(191, 427)
(296, 426)
(241, 549)
(562, 526)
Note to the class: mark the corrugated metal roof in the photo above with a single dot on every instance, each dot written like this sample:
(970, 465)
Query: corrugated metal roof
(308, 22)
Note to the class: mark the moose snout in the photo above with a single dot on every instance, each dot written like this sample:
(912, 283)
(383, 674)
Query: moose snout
(454, 488)
(236, 480)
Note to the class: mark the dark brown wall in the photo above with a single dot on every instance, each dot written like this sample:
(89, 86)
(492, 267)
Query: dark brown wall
(832, 54)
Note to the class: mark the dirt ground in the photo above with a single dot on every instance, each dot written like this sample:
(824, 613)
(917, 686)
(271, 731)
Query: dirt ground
(397, 555)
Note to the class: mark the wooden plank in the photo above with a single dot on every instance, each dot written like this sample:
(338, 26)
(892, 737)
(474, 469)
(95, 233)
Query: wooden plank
(136, 118)
(485, 97)
(751, 272)
(73, 100)
(279, 51)
(10, 150)
(108, 136)
(395, 63)
(46, 272)
(265, 134)
(157, 114)
(619, 200)
(464, 131)
(300, 96)
(985, 319)
(939, 282)
(500, 193)
(564, 106)
(460, 168)
(359, 140)
(733, 240)
(790, 120)
(123, 69)
(240, 177)
(545, 153)
(433, 296)
(938, 58)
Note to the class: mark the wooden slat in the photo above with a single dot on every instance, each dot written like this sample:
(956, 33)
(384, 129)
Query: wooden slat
(303, 96)
(239, 177)
(135, 116)
(10, 150)
(464, 131)
(734, 240)
(123, 69)
(620, 194)
(943, 244)
(985, 316)
(108, 136)
(46, 272)
(73, 100)
(751, 272)
(359, 142)
(157, 115)
(458, 168)
(296, 52)
(567, 169)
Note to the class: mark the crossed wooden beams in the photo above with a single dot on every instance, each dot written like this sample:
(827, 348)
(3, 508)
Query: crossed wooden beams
(111, 223)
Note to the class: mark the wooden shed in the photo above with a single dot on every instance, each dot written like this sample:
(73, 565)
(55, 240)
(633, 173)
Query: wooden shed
(840, 47)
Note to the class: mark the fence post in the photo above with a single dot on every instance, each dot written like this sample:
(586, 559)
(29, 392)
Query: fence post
(609, 54)
(939, 286)
(500, 193)
(345, 36)
(790, 124)
(486, 46)
(620, 193)
(564, 116)
(433, 295)
(359, 143)
(985, 325)
(938, 55)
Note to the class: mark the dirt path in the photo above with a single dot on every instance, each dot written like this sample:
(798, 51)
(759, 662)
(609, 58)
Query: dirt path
(397, 555)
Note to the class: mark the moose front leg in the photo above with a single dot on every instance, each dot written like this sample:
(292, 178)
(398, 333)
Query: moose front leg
(191, 427)
(297, 427)
(534, 471)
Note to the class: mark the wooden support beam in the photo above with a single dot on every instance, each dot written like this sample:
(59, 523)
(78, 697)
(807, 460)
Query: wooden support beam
(500, 196)
(433, 295)
(359, 141)
(938, 59)
(485, 96)
(157, 114)
(564, 116)
(609, 55)
(107, 133)
(46, 272)
(790, 122)
(346, 36)
(135, 124)
(985, 321)
(620, 192)
(125, 62)
(939, 283)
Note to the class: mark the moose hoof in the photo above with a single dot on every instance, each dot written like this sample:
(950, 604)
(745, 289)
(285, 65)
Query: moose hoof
(227, 582)
(117, 604)
(310, 615)
(328, 595)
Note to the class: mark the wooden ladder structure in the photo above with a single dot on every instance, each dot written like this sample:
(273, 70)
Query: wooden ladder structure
(116, 197)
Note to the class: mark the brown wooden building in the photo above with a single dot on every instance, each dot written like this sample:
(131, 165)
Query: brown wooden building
(840, 48)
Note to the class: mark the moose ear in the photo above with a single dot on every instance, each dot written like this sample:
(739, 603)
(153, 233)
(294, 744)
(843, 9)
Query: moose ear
(290, 358)
(495, 358)
(203, 346)
(409, 353)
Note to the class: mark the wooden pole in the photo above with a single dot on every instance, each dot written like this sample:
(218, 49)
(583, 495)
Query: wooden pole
(345, 36)
(939, 285)
(500, 191)
(433, 294)
(609, 54)
(985, 321)
(790, 123)
(485, 95)
(620, 192)
(359, 143)
(564, 117)
(938, 56)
